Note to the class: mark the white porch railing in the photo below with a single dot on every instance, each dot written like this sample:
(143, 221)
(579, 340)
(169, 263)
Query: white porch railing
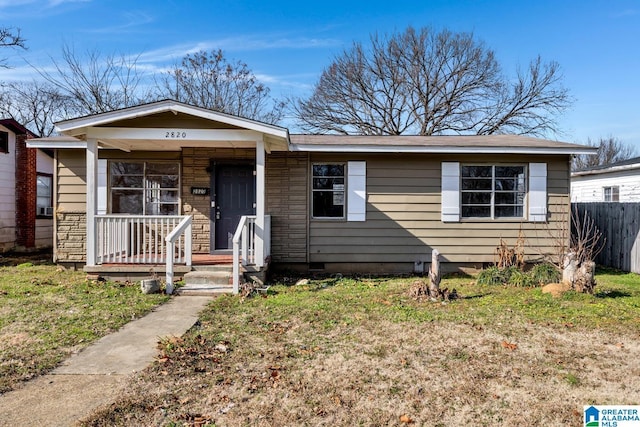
(244, 245)
(139, 239)
(182, 232)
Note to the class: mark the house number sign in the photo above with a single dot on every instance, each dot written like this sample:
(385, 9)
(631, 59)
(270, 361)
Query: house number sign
(200, 191)
(175, 134)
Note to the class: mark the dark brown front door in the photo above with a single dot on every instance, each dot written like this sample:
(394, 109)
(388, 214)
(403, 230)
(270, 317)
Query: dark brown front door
(234, 196)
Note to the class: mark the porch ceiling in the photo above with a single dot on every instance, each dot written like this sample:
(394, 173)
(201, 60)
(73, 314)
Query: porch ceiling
(164, 145)
(164, 139)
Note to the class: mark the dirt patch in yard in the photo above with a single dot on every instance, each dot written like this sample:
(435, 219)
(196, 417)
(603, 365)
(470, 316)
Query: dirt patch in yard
(16, 339)
(246, 370)
(44, 256)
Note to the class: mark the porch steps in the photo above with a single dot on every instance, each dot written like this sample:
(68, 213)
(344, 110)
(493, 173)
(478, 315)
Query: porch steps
(207, 280)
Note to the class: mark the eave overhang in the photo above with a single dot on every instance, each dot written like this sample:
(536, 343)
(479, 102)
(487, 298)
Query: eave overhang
(317, 148)
(601, 171)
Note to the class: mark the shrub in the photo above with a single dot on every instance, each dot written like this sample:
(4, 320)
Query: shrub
(544, 273)
(507, 276)
(521, 279)
(494, 275)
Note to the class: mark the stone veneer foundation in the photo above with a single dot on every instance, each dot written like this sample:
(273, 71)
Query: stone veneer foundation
(71, 231)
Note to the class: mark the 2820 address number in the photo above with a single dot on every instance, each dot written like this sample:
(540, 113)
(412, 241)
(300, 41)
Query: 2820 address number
(175, 134)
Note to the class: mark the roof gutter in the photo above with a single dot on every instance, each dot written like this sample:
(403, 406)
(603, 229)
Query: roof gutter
(319, 148)
(607, 170)
(45, 143)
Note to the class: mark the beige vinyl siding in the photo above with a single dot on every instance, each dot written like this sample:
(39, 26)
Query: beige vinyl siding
(71, 186)
(287, 203)
(70, 206)
(403, 222)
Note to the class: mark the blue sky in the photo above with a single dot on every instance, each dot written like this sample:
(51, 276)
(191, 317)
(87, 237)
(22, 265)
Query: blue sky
(288, 43)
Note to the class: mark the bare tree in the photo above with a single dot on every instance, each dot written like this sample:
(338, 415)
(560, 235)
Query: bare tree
(209, 80)
(36, 105)
(10, 37)
(610, 150)
(575, 246)
(97, 83)
(586, 242)
(425, 82)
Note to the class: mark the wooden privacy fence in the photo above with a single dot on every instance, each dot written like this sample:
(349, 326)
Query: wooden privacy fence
(619, 224)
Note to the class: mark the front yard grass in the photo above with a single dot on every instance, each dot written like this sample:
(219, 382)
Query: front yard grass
(47, 313)
(361, 352)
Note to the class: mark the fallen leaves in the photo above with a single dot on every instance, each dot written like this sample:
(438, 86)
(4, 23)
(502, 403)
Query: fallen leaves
(406, 419)
(196, 420)
(508, 345)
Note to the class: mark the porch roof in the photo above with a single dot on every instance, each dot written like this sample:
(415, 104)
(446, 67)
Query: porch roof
(165, 126)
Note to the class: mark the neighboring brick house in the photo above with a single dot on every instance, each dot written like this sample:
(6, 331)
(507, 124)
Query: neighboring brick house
(26, 186)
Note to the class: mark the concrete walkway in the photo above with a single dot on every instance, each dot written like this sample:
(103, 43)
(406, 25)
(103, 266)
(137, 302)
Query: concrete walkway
(95, 376)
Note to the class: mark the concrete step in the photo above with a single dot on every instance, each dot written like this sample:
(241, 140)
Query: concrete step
(204, 290)
(221, 277)
(212, 280)
(213, 267)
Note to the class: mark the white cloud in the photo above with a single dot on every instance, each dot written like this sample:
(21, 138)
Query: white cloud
(54, 3)
(37, 3)
(236, 44)
(289, 81)
(131, 21)
(22, 74)
(14, 3)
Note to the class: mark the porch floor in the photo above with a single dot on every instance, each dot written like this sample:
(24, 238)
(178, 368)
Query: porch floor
(122, 271)
(211, 259)
(196, 259)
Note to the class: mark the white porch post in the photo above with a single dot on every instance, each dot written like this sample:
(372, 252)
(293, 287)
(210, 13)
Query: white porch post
(92, 187)
(260, 201)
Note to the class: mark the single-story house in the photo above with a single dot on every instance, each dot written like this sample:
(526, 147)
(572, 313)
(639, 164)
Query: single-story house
(168, 178)
(26, 191)
(615, 182)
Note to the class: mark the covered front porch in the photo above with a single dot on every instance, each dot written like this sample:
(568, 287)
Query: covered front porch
(139, 246)
(168, 187)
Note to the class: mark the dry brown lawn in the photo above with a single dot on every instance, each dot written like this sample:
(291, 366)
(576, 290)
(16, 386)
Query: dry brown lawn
(362, 353)
(47, 314)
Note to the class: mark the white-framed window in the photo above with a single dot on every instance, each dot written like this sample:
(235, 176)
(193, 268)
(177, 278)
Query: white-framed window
(144, 187)
(493, 191)
(611, 194)
(328, 190)
(44, 195)
(339, 190)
